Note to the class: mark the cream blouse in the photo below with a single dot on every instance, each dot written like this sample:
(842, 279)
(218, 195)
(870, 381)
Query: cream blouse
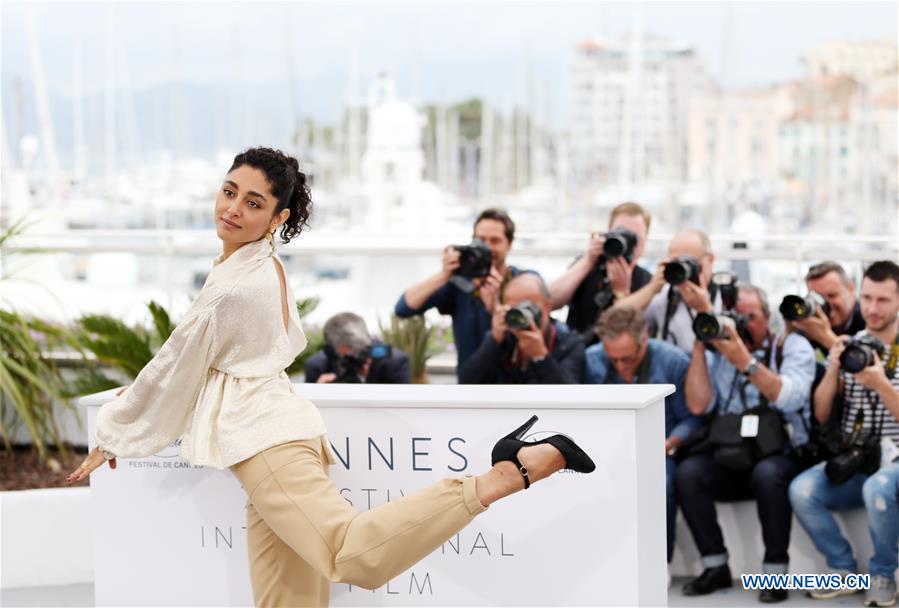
(218, 382)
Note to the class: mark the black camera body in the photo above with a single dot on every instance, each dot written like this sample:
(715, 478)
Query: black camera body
(714, 327)
(350, 366)
(474, 259)
(861, 456)
(728, 286)
(521, 315)
(859, 353)
(796, 308)
(682, 269)
(620, 242)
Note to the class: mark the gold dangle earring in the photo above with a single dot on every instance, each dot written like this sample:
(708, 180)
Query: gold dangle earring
(271, 238)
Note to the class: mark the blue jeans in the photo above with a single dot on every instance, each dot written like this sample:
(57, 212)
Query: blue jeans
(670, 502)
(814, 498)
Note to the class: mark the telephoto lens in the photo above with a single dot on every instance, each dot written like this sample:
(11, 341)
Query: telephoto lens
(859, 353)
(619, 242)
(796, 308)
(682, 269)
(711, 327)
(714, 327)
(521, 315)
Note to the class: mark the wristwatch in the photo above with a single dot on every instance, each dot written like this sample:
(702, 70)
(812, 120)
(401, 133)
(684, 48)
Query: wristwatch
(751, 367)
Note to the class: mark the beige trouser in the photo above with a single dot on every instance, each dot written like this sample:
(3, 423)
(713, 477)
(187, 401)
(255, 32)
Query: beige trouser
(301, 533)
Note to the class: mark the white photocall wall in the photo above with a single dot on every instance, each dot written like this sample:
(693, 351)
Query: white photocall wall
(168, 533)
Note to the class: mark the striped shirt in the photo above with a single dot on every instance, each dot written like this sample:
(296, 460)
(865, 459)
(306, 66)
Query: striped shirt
(856, 396)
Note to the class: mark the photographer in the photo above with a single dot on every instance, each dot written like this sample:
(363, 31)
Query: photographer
(596, 279)
(756, 386)
(680, 287)
(627, 355)
(840, 315)
(470, 302)
(525, 345)
(350, 355)
(863, 374)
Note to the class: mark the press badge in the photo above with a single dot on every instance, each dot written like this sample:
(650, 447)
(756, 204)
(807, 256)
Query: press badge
(749, 426)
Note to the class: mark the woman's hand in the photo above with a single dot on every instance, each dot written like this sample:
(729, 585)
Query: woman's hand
(93, 461)
(121, 390)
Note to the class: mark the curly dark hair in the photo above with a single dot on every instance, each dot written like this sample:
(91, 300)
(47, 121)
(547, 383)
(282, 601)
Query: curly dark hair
(287, 183)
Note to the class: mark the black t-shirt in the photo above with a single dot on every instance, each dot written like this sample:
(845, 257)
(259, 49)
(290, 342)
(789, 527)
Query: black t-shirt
(583, 310)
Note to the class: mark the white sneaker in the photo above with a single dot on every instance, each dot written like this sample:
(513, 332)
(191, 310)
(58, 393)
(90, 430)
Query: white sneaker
(882, 592)
(829, 594)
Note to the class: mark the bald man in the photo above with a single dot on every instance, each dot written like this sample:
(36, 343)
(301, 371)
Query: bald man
(545, 352)
(670, 311)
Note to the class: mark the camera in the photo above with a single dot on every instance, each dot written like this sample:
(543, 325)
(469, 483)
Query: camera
(795, 308)
(859, 454)
(727, 283)
(474, 259)
(350, 366)
(862, 456)
(682, 269)
(714, 327)
(619, 242)
(859, 353)
(521, 315)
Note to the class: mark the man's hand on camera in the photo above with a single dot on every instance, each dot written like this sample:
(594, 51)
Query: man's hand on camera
(450, 260)
(833, 355)
(658, 277)
(531, 342)
(817, 328)
(498, 327)
(326, 378)
(695, 296)
(489, 289)
(594, 247)
(874, 377)
(619, 272)
(733, 349)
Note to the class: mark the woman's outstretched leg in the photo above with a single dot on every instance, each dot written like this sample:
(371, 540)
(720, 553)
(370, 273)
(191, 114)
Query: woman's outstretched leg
(289, 487)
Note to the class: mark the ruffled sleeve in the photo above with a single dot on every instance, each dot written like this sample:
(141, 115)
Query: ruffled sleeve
(157, 407)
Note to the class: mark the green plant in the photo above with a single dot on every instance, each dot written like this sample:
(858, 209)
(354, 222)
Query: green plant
(315, 339)
(30, 383)
(416, 337)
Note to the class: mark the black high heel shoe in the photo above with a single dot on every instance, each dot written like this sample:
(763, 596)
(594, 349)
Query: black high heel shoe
(507, 449)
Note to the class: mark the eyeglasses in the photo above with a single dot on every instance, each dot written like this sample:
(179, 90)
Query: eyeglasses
(627, 360)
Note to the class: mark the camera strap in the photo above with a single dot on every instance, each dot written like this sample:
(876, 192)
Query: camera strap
(892, 359)
(872, 402)
(670, 309)
(673, 301)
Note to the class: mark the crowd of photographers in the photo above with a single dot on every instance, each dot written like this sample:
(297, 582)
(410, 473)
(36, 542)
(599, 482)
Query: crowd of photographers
(804, 420)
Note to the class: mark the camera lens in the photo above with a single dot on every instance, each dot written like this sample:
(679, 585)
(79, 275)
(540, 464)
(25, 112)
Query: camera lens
(516, 319)
(855, 358)
(794, 308)
(614, 247)
(706, 327)
(676, 272)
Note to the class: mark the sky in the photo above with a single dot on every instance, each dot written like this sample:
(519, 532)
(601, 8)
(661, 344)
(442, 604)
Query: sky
(442, 49)
(306, 58)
